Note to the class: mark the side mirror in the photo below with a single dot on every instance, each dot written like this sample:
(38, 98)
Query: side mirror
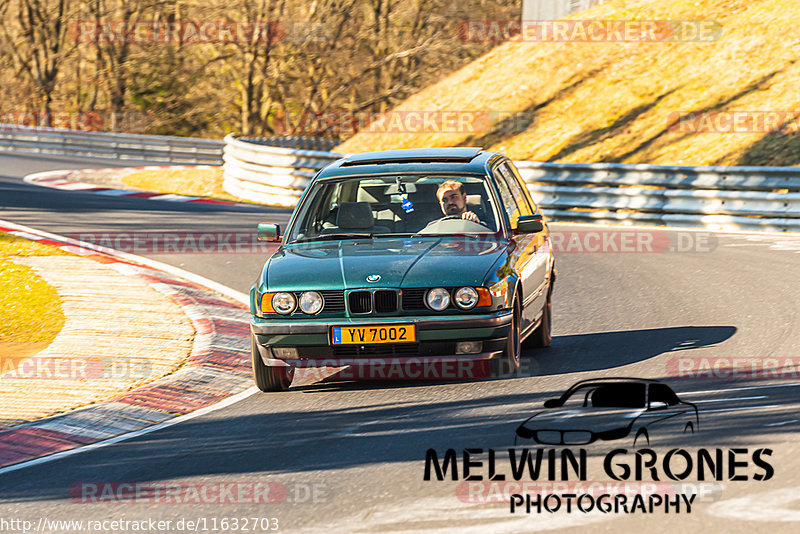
(530, 224)
(658, 405)
(552, 403)
(269, 232)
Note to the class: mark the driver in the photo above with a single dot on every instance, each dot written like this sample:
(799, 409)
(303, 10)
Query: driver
(453, 200)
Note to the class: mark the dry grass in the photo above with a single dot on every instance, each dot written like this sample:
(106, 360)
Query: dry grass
(30, 309)
(192, 182)
(618, 102)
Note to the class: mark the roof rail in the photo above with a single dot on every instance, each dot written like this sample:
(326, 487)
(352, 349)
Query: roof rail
(414, 155)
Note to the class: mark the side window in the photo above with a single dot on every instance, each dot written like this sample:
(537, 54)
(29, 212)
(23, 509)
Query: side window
(509, 202)
(662, 393)
(522, 184)
(517, 189)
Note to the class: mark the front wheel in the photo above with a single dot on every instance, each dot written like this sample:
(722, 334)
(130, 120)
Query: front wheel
(641, 439)
(542, 336)
(513, 348)
(269, 378)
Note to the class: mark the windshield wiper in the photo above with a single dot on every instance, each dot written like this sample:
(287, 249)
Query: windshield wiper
(451, 234)
(394, 235)
(331, 237)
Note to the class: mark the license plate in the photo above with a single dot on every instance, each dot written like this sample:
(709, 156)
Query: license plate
(363, 335)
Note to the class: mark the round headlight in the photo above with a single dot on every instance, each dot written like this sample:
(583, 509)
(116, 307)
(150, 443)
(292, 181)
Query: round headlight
(466, 298)
(438, 299)
(284, 303)
(311, 302)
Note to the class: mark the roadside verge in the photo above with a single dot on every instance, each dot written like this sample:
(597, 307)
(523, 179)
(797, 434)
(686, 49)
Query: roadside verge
(111, 182)
(217, 369)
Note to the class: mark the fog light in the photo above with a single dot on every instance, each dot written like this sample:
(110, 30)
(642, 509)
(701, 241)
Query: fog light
(285, 353)
(469, 347)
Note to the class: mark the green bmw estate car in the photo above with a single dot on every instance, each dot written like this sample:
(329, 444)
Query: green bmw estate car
(398, 259)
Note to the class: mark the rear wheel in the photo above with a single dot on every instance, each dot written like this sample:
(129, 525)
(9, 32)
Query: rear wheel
(542, 336)
(269, 378)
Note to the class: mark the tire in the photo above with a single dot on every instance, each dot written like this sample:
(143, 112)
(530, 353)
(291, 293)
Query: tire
(641, 435)
(508, 364)
(269, 378)
(513, 349)
(542, 336)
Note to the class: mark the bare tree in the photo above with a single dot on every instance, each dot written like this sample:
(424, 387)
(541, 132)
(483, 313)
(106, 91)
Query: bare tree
(36, 40)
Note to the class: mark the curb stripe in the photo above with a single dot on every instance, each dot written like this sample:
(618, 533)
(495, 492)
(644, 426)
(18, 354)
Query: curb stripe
(216, 371)
(69, 180)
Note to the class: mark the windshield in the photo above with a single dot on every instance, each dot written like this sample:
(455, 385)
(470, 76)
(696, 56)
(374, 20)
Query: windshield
(612, 395)
(375, 206)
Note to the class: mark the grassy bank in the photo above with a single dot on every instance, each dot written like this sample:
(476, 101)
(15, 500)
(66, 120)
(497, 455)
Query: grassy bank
(30, 309)
(192, 182)
(632, 102)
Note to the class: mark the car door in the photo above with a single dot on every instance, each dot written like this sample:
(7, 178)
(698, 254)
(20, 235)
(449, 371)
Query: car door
(665, 414)
(528, 263)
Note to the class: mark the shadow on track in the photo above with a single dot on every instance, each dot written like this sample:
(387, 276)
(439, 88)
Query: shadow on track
(606, 350)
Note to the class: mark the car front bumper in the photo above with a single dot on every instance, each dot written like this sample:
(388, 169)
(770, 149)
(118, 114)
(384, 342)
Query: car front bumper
(436, 340)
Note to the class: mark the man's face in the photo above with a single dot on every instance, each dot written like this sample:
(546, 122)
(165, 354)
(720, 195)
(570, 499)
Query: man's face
(452, 202)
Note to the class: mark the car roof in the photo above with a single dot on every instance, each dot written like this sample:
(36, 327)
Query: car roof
(461, 160)
(623, 380)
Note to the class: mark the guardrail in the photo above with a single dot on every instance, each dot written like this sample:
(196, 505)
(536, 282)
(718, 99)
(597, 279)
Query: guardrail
(721, 198)
(724, 198)
(111, 145)
(269, 174)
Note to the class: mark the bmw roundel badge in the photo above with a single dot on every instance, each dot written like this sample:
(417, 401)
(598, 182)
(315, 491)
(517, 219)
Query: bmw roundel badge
(373, 278)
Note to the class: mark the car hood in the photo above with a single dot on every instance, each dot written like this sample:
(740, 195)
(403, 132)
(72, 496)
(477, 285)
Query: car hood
(583, 418)
(401, 262)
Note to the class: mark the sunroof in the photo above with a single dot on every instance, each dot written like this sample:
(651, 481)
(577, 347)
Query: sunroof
(414, 155)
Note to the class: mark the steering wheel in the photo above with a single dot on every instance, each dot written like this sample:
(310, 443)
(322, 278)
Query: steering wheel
(453, 224)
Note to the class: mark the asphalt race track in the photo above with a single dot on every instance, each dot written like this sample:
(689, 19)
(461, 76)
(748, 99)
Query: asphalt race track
(351, 455)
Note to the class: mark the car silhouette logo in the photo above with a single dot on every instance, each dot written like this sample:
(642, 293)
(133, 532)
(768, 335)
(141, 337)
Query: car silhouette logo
(373, 278)
(610, 409)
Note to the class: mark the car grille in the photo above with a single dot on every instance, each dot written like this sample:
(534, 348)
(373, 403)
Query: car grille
(567, 437)
(548, 437)
(577, 437)
(385, 301)
(360, 302)
(400, 349)
(414, 298)
(334, 301)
